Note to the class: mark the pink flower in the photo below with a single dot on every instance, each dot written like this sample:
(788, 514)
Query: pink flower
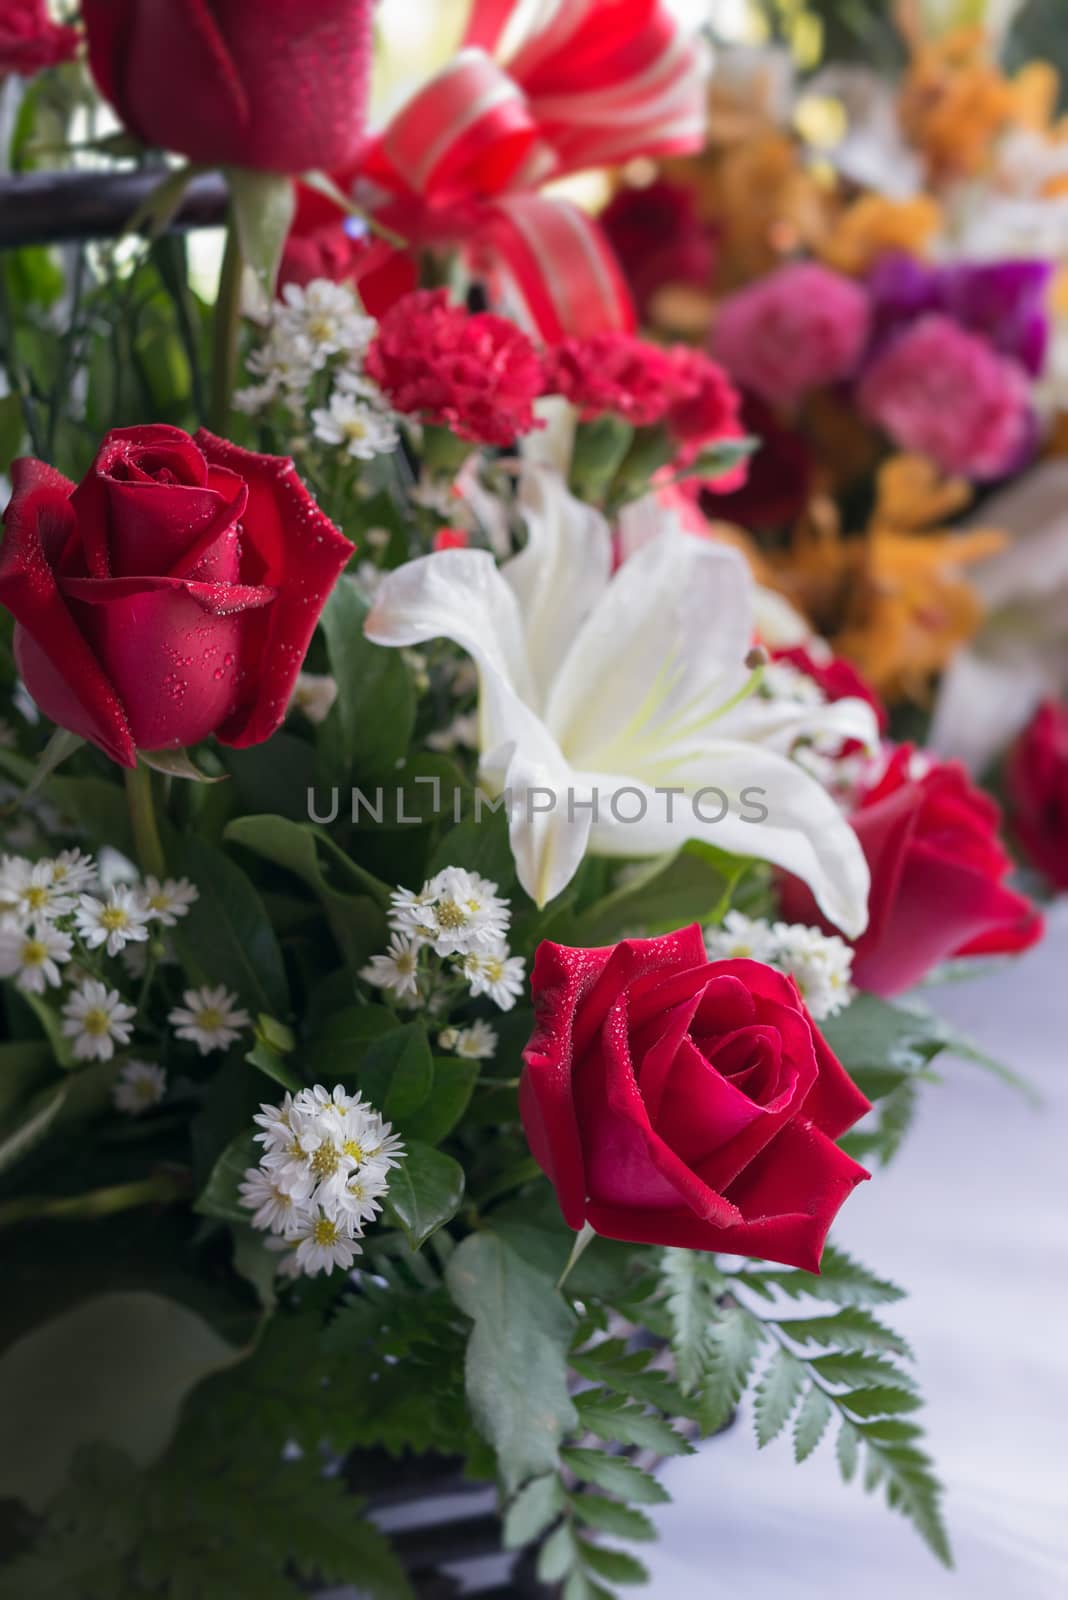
(947, 394)
(474, 374)
(799, 328)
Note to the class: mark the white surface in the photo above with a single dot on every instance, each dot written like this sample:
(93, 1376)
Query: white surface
(971, 1219)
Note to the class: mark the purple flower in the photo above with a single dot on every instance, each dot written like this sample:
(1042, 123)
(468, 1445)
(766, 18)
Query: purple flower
(1002, 301)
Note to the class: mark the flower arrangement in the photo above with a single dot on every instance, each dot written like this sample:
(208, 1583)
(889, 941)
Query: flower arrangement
(459, 866)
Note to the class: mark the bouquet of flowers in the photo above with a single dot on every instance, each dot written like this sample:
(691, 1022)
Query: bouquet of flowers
(457, 873)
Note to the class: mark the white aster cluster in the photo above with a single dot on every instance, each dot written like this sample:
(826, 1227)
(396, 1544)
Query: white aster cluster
(459, 918)
(821, 964)
(311, 365)
(324, 1169)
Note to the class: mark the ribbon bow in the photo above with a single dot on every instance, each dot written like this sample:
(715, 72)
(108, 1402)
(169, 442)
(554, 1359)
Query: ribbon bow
(538, 91)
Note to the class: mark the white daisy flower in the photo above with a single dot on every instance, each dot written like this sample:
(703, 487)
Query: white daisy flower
(276, 1124)
(820, 964)
(33, 956)
(138, 1086)
(119, 920)
(495, 973)
(356, 426)
(326, 313)
(464, 912)
(169, 900)
(269, 1203)
(324, 1243)
(398, 969)
(211, 1019)
(73, 871)
(478, 1042)
(29, 893)
(96, 1018)
(313, 695)
(359, 1200)
(741, 938)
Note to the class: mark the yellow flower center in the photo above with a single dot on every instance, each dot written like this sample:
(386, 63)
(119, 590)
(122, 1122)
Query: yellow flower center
(354, 428)
(325, 1231)
(35, 897)
(325, 1160)
(354, 1149)
(113, 917)
(210, 1019)
(34, 953)
(450, 915)
(96, 1022)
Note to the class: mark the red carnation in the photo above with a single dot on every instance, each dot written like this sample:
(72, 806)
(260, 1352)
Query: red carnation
(615, 372)
(30, 40)
(659, 238)
(708, 411)
(477, 375)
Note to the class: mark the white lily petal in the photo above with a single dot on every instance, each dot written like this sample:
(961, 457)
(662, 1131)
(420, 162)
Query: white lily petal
(658, 658)
(779, 724)
(561, 573)
(804, 832)
(548, 826)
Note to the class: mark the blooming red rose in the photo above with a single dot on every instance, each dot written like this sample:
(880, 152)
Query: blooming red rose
(171, 594)
(30, 40)
(675, 1100)
(477, 374)
(930, 838)
(279, 85)
(658, 237)
(615, 372)
(1037, 778)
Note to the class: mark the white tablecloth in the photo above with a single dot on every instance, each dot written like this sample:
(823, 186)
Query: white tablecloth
(972, 1219)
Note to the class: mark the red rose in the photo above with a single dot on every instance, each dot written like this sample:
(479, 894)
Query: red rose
(476, 374)
(937, 871)
(675, 1100)
(171, 594)
(279, 85)
(1037, 779)
(30, 40)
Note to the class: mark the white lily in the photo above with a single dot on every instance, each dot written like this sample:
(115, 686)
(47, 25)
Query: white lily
(632, 687)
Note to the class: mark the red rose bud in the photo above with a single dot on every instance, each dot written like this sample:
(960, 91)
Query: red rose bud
(170, 595)
(278, 85)
(30, 40)
(930, 838)
(675, 1100)
(1037, 779)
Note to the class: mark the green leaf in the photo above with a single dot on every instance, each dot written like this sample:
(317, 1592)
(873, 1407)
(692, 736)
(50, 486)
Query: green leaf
(851, 1329)
(114, 1368)
(264, 203)
(76, 1099)
(516, 1355)
(227, 937)
(219, 1195)
(692, 884)
(535, 1508)
(840, 1279)
(811, 1422)
(617, 1566)
(847, 1449)
(612, 1417)
(397, 1073)
(374, 713)
(880, 1401)
(612, 1516)
(275, 1066)
(693, 1284)
(450, 1093)
(341, 1040)
(616, 1475)
(777, 1394)
(733, 1342)
(481, 847)
(557, 1555)
(425, 1191)
(179, 764)
(856, 1371)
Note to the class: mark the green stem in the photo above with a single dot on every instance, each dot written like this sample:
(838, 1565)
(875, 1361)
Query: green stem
(141, 806)
(226, 329)
(160, 1189)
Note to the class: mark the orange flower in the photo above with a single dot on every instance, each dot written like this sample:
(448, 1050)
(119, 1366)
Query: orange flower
(894, 600)
(873, 225)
